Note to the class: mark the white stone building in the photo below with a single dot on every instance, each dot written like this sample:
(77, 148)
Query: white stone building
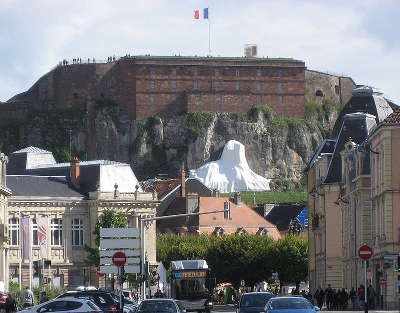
(71, 197)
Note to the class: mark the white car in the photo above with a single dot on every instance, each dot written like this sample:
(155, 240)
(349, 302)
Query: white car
(67, 304)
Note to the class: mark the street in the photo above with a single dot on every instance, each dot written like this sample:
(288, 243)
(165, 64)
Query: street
(231, 309)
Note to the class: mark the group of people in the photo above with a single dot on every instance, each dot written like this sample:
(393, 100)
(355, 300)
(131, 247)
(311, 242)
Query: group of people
(28, 299)
(79, 61)
(341, 298)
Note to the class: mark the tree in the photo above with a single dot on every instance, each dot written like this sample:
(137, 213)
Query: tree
(110, 218)
(291, 259)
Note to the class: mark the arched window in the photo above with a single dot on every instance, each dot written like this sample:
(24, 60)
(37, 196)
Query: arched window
(319, 93)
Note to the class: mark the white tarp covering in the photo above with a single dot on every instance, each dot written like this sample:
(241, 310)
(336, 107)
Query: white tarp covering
(162, 272)
(231, 172)
(120, 174)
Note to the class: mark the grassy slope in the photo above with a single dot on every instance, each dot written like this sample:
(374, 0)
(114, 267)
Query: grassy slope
(271, 197)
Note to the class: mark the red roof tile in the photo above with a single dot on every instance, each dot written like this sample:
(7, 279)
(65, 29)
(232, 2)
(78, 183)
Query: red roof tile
(393, 118)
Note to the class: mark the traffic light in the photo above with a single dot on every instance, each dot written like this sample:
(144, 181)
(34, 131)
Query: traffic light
(35, 266)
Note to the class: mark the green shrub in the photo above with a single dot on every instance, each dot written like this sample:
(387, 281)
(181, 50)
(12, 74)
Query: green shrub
(197, 123)
(256, 109)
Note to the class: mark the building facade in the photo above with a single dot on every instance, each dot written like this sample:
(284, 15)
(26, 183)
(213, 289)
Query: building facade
(385, 208)
(355, 205)
(5, 193)
(70, 206)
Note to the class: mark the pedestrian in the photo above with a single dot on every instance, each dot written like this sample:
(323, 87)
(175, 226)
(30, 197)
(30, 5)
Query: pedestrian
(28, 297)
(11, 304)
(371, 297)
(361, 297)
(43, 297)
(353, 298)
(329, 297)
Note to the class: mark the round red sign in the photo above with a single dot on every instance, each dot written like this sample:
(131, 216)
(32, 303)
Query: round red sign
(119, 259)
(382, 281)
(365, 252)
(100, 274)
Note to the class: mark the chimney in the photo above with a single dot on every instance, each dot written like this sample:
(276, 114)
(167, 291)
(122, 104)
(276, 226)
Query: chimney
(192, 202)
(75, 172)
(237, 199)
(183, 182)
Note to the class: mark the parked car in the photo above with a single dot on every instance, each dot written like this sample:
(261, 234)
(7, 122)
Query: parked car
(290, 304)
(160, 305)
(3, 300)
(129, 305)
(253, 302)
(67, 304)
(102, 299)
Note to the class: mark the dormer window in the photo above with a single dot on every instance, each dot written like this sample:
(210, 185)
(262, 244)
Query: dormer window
(241, 231)
(218, 231)
(262, 231)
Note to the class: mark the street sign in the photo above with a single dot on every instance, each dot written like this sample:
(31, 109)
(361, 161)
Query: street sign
(365, 252)
(98, 272)
(124, 240)
(382, 281)
(119, 259)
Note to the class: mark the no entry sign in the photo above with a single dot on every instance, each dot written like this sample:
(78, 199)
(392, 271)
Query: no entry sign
(365, 252)
(119, 259)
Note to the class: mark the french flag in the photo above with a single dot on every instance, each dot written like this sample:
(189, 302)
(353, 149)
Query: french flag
(197, 14)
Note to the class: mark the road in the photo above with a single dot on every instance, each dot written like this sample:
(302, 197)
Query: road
(231, 309)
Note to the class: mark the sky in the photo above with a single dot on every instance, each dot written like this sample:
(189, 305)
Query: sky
(355, 38)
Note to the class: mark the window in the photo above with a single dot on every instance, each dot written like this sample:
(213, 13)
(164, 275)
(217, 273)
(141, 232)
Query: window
(173, 72)
(216, 72)
(35, 240)
(337, 89)
(195, 71)
(174, 85)
(196, 85)
(174, 97)
(238, 85)
(241, 98)
(259, 98)
(152, 71)
(152, 84)
(237, 72)
(56, 231)
(219, 98)
(259, 72)
(280, 87)
(258, 86)
(198, 98)
(281, 99)
(13, 234)
(77, 232)
(153, 98)
(216, 85)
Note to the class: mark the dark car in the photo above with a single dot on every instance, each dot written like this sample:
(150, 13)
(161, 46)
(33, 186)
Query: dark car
(160, 306)
(253, 302)
(290, 304)
(3, 300)
(101, 298)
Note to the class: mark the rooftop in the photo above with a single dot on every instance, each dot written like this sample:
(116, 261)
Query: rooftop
(393, 118)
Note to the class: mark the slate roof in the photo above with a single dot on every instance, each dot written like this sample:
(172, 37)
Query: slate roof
(355, 126)
(41, 186)
(327, 146)
(281, 215)
(364, 100)
(31, 149)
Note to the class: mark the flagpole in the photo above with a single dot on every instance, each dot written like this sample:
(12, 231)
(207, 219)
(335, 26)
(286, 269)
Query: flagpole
(209, 31)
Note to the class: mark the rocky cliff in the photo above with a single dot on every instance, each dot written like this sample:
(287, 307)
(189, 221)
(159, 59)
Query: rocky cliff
(276, 147)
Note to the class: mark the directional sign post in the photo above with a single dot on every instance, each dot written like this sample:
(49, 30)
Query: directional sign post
(365, 252)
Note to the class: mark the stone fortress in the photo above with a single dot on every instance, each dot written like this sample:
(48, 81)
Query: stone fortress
(144, 86)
